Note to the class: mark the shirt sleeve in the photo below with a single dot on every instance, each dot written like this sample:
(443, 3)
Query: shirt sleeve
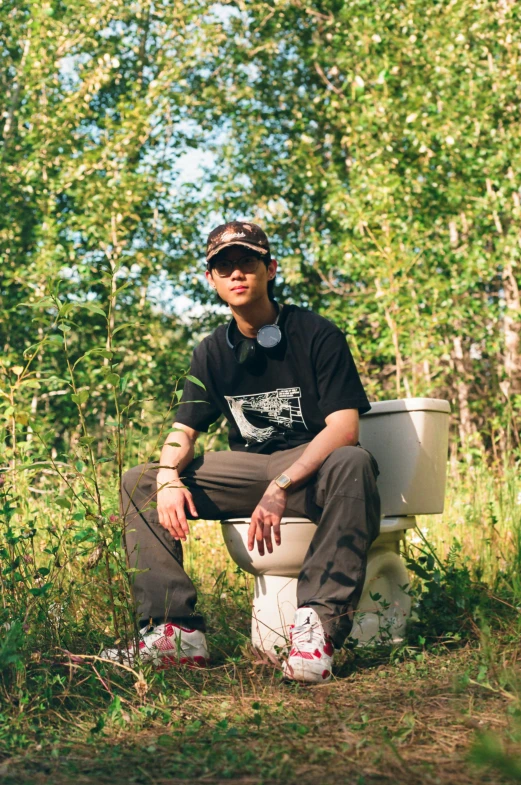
(338, 382)
(197, 409)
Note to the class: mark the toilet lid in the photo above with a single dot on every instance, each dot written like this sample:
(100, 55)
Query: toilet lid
(282, 520)
(409, 405)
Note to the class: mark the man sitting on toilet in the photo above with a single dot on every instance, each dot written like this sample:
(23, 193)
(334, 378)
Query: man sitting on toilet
(286, 382)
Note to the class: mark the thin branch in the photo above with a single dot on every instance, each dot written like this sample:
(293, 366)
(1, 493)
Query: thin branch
(324, 78)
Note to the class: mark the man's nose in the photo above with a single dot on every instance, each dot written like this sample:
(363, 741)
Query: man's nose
(237, 272)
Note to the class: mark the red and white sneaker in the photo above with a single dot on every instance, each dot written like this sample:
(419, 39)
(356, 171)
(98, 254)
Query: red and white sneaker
(311, 653)
(164, 645)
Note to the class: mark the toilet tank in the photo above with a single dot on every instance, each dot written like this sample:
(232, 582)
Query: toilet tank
(409, 438)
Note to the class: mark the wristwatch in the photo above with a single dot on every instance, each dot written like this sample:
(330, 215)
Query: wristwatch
(283, 481)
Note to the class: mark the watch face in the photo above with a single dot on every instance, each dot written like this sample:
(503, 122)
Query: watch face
(283, 481)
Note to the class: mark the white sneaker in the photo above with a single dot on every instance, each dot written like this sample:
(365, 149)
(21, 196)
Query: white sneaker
(311, 654)
(165, 645)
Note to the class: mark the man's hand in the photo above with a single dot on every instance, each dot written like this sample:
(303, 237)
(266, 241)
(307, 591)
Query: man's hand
(266, 517)
(172, 500)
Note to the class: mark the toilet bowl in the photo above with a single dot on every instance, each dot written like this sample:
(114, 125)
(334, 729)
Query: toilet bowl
(409, 439)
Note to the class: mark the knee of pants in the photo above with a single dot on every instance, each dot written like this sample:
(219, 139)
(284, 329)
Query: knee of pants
(131, 478)
(349, 459)
(349, 464)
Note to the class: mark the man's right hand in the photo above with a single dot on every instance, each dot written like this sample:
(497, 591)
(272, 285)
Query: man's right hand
(173, 498)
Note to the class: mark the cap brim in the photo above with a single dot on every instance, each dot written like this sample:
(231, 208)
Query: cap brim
(219, 248)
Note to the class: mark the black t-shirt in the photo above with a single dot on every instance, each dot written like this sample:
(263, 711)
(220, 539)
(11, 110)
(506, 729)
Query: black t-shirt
(283, 400)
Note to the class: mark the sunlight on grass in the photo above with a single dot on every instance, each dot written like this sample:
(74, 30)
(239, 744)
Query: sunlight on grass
(59, 701)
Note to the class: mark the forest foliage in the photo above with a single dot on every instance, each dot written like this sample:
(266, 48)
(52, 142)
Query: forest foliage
(378, 146)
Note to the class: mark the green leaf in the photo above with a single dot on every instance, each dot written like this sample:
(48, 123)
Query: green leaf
(113, 379)
(11, 567)
(41, 590)
(114, 708)
(80, 397)
(195, 381)
(120, 288)
(44, 302)
(98, 727)
(103, 352)
(86, 441)
(93, 308)
(66, 309)
(124, 326)
(419, 570)
(37, 465)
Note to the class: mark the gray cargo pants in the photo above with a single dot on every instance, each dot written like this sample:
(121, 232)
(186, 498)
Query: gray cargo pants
(342, 499)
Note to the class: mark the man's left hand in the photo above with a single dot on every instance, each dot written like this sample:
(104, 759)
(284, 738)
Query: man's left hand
(266, 517)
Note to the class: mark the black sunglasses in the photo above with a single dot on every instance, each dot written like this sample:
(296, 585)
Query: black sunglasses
(225, 267)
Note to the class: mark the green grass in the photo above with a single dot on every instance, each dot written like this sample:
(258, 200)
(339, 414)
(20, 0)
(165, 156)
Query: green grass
(442, 708)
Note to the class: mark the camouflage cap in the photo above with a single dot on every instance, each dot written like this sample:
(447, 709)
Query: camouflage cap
(236, 233)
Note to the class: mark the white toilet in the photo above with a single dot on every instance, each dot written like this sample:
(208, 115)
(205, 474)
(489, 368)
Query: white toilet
(409, 439)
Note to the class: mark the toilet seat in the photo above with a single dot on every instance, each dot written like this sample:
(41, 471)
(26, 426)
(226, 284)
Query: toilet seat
(388, 524)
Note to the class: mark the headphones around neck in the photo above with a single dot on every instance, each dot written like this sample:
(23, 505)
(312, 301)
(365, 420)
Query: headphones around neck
(245, 350)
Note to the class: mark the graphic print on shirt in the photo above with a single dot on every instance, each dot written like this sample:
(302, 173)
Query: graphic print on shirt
(281, 406)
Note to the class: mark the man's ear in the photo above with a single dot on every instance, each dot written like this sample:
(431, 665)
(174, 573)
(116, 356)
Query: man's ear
(272, 269)
(209, 278)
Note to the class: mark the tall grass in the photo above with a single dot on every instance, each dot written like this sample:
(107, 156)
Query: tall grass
(482, 515)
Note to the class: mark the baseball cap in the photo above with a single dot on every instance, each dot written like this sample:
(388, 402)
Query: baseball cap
(237, 233)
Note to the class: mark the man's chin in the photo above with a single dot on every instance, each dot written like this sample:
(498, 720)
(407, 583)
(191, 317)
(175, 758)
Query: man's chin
(240, 300)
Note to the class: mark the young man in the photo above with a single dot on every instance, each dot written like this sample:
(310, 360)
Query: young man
(286, 382)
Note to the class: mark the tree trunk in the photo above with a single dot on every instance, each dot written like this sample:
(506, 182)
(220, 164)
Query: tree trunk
(465, 425)
(393, 328)
(512, 334)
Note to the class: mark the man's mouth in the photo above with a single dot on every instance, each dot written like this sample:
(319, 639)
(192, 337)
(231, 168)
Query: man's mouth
(239, 288)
